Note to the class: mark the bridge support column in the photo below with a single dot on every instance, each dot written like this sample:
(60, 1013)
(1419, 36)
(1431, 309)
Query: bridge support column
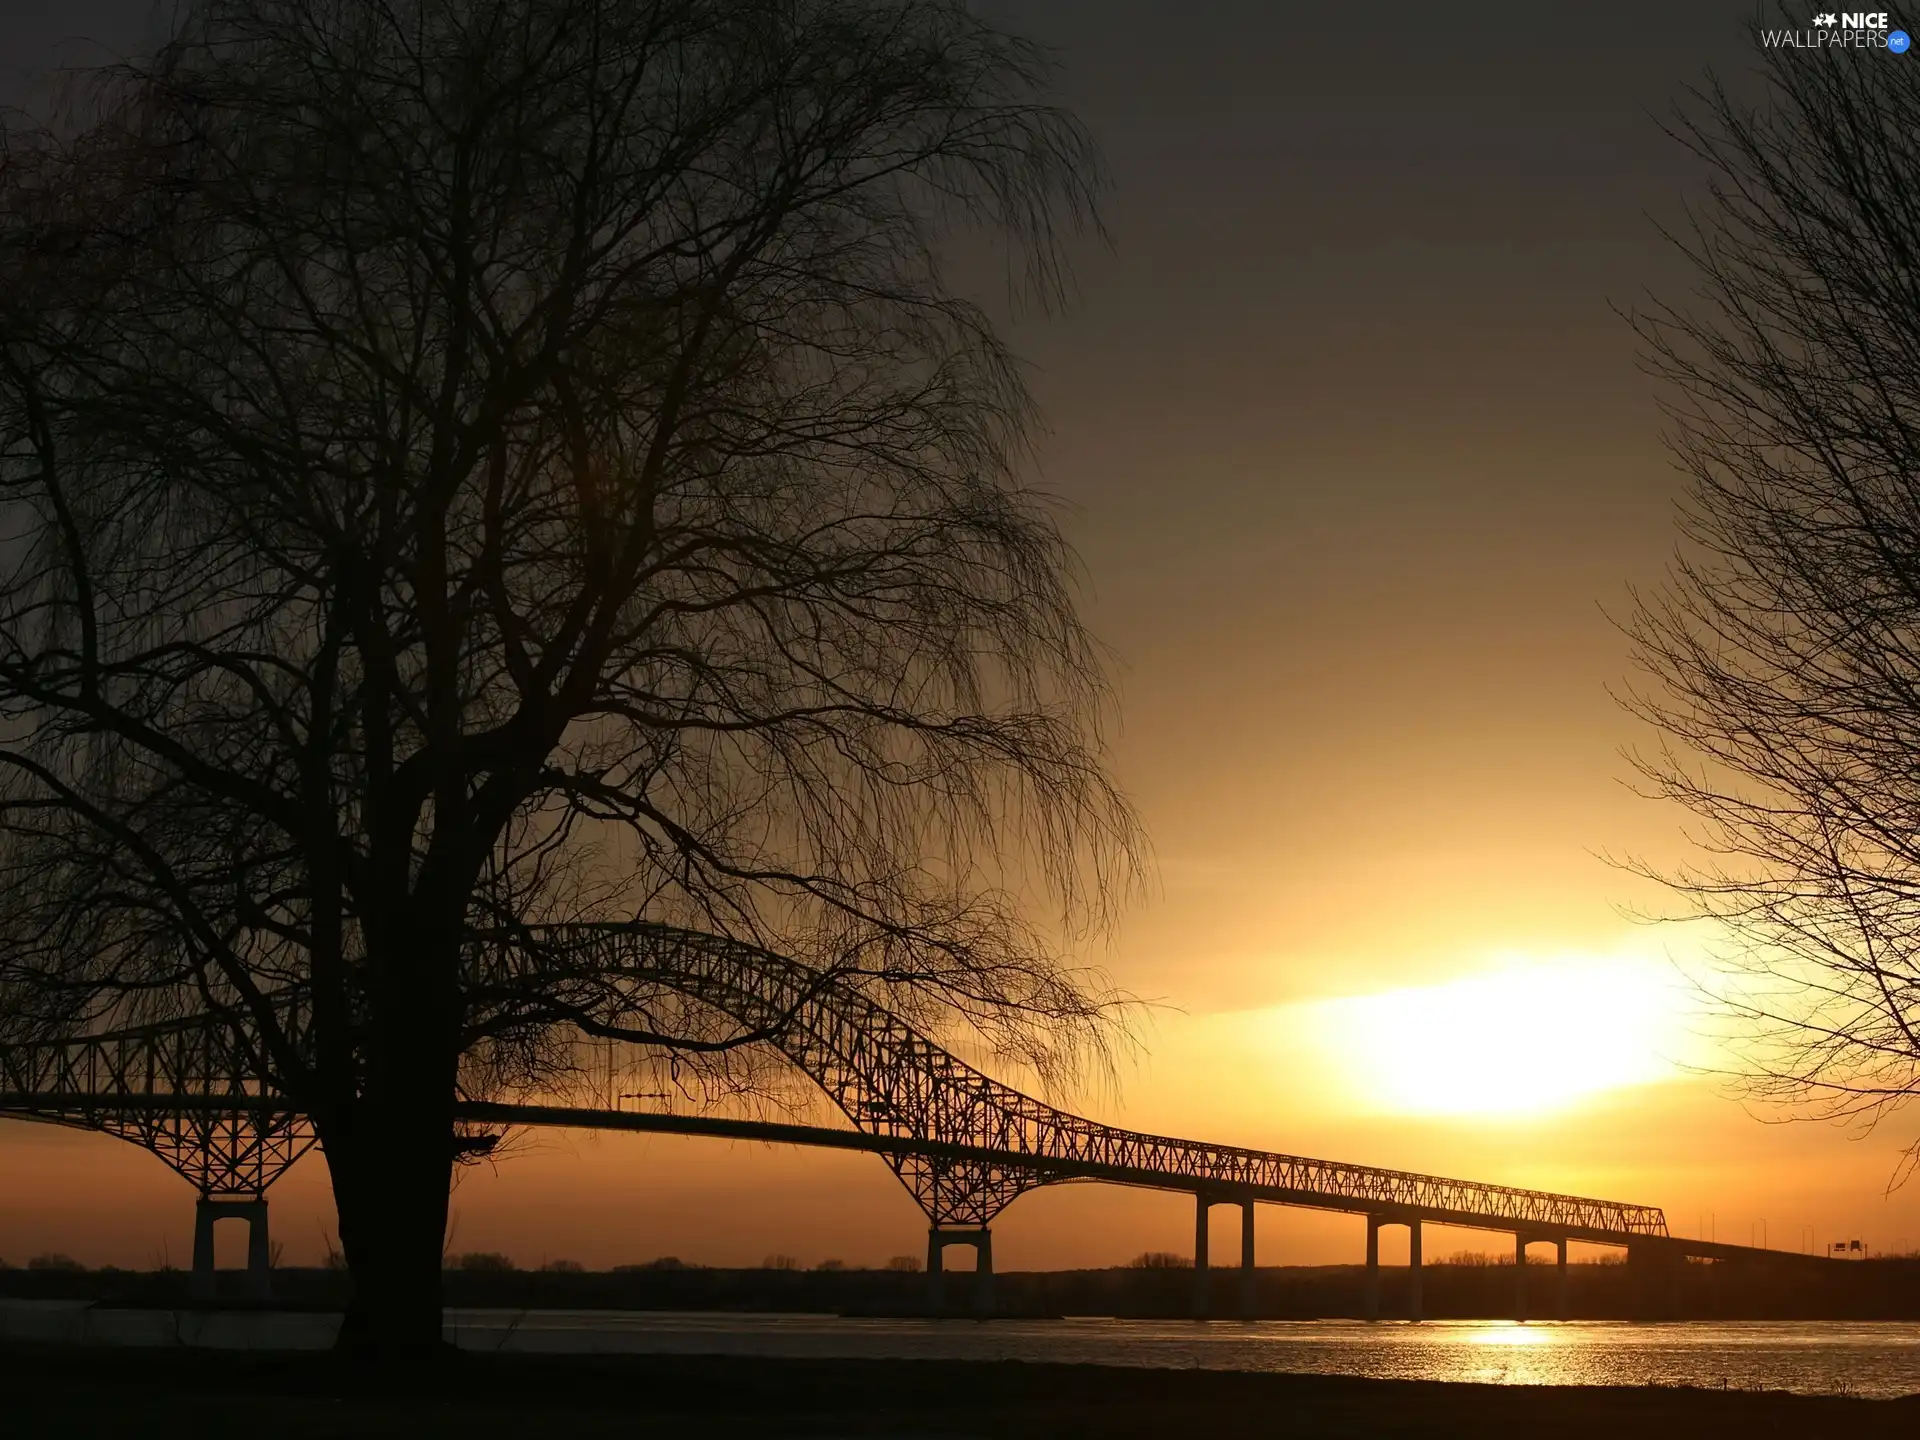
(1246, 1260)
(1654, 1272)
(1201, 1298)
(1414, 1311)
(203, 1217)
(1520, 1278)
(1560, 1291)
(208, 1213)
(936, 1277)
(1371, 1300)
(983, 1273)
(981, 1239)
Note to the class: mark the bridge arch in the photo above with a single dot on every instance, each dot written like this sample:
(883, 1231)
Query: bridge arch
(885, 1077)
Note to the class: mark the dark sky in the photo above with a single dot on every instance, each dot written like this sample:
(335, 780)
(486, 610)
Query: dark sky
(1357, 456)
(1360, 451)
(1357, 452)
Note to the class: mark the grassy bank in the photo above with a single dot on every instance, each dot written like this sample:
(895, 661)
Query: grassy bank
(52, 1393)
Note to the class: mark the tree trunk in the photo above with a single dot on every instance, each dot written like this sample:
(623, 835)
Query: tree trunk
(392, 1192)
(394, 1168)
(390, 1147)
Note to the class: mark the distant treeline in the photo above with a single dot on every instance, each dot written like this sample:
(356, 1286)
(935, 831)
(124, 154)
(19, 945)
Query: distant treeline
(1154, 1286)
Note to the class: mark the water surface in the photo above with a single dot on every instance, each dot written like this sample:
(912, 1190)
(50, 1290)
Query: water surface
(1880, 1360)
(1868, 1359)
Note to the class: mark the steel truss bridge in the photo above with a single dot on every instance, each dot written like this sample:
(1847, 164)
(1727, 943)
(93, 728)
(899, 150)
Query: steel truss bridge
(964, 1145)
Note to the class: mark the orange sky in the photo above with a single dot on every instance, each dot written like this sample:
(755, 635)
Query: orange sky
(1356, 454)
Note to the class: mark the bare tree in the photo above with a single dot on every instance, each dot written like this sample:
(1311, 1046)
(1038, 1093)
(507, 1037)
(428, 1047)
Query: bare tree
(1786, 645)
(474, 463)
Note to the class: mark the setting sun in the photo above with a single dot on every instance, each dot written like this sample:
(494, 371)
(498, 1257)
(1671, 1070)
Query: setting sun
(1529, 1037)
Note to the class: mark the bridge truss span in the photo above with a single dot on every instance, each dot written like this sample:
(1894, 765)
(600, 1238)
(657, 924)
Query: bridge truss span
(965, 1145)
(190, 1090)
(973, 1144)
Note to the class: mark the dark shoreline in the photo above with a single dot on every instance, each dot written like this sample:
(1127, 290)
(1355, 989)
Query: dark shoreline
(62, 1391)
(1870, 1290)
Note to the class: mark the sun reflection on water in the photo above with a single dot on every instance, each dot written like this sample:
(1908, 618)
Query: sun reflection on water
(1529, 1335)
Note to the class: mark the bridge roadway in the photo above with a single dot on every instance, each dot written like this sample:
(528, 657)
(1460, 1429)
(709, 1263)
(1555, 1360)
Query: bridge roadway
(964, 1144)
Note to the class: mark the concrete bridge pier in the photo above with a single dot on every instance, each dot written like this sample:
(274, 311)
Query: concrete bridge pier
(936, 1283)
(1520, 1278)
(210, 1212)
(1520, 1243)
(1246, 1260)
(1415, 1308)
(981, 1239)
(1371, 1306)
(1654, 1271)
(1202, 1276)
(983, 1273)
(1560, 1307)
(1202, 1301)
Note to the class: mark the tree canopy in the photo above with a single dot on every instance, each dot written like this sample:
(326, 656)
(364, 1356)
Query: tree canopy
(466, 464)
(1785, 651)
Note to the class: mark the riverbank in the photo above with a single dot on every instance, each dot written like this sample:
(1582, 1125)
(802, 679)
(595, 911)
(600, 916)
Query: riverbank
(1786, 1290)
(60, 1392)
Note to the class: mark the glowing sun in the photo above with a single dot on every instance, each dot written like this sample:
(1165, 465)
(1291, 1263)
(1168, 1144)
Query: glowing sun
(1529, 1037)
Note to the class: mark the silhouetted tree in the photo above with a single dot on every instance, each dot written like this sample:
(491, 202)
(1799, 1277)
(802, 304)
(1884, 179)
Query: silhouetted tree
(1160, 1260)
(1786, 645)
(487, 1260)
(473, 463)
